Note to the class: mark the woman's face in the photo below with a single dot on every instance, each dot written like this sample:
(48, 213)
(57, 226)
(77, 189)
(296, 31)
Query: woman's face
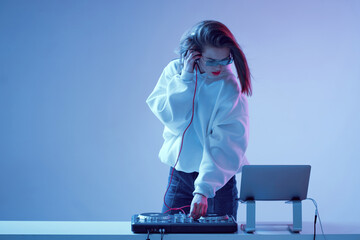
(210, 56)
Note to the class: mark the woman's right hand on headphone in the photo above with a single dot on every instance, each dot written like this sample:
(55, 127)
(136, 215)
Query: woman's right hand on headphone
(189, 60)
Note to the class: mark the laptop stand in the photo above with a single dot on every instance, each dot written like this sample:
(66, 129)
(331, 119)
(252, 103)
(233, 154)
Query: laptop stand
(296, 227)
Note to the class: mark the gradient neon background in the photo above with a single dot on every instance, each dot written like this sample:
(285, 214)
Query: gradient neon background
(78, 142)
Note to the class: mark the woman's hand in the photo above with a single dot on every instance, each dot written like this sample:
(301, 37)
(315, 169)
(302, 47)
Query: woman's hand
(199, 206)
(189, 60)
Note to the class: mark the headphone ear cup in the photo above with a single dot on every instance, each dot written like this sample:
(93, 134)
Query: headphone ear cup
(196, 65)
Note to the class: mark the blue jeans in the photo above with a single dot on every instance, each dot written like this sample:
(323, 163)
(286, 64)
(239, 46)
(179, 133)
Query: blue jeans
(181, 190)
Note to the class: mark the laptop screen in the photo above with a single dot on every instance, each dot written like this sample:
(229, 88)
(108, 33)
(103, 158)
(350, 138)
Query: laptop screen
(274, 182)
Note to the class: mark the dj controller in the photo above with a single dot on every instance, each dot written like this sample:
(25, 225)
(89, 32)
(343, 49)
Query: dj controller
(182, 223)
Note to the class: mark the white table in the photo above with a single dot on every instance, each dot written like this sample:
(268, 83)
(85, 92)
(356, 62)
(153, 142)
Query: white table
(67, 230)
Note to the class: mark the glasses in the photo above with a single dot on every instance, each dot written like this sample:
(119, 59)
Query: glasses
(223, 62)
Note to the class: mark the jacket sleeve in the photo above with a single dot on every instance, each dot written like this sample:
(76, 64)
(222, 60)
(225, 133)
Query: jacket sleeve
(224, 147)
(171, 99)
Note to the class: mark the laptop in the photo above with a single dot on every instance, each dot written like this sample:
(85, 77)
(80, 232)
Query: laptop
(274, 182)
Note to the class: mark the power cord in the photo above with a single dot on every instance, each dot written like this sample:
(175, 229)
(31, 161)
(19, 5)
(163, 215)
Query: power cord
(162, 232)
(148, 235)
(317, 215)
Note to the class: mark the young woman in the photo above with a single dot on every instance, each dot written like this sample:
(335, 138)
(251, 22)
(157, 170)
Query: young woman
(205, 114)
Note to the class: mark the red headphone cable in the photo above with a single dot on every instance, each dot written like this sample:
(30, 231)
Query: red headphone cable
(182, 141)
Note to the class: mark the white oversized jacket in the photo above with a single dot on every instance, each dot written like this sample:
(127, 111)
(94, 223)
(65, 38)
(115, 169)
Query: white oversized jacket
(215, 143)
